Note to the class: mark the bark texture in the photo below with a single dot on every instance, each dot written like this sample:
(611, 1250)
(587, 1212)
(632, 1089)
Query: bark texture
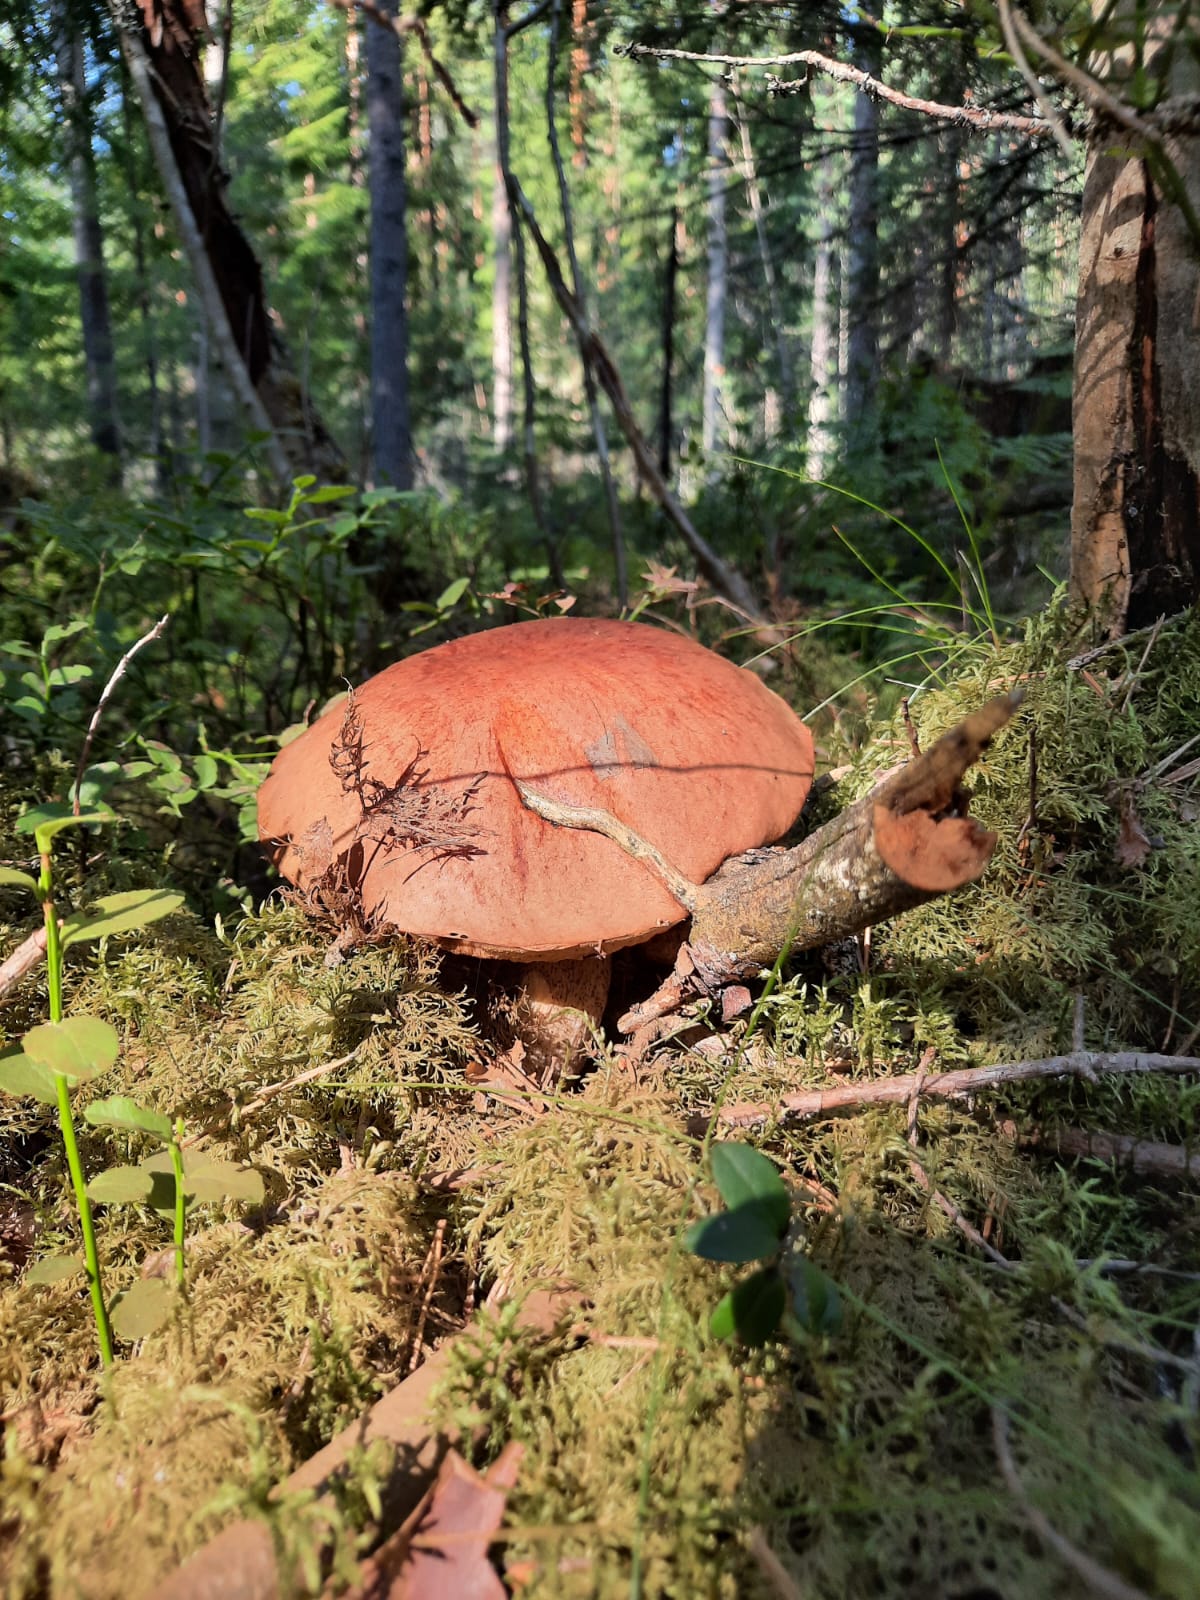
(906, 842)
(164, 42)
(1135, 522)
(391, 431)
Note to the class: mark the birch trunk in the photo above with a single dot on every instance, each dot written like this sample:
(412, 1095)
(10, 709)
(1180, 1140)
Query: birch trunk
(714, 417)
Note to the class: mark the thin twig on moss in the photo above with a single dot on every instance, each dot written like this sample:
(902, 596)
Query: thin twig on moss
(1100, 1581)
(1086, 1064)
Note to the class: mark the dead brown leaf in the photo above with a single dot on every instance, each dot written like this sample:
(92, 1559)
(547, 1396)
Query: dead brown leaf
(441, 1552)
(1133, 843)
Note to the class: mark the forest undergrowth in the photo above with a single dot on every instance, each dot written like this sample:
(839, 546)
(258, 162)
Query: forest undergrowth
(1014, 1335)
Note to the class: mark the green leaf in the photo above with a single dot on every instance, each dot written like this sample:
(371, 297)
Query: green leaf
(743, 1174)
(752, 1309)
(64, 677)
(327, 492)
(45, 821)
(22, 1077)
(58, 631)
(143, 1309)
(205, 1179)
(121, 1186)
(12, 876)
(119, 913)
(96, 782)
(747, 1233)
(78, 1047)
(453, 594)
(54, 1269)
(121, 1112)
(206, 771)
(816, 1304)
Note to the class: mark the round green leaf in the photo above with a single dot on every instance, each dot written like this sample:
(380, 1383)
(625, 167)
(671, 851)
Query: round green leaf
(747, 1233)
(22, 879)
(78, 1047)
(54, 1269)
(119, 913)
(752, 1309)
(816, 1304)
(206, 1179)
(743, 1174)
(143, 1309)
(124, 1113)
(20, 1076)
(121, 1186)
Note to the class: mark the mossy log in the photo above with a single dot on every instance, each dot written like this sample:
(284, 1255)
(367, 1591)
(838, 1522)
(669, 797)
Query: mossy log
(908, 841)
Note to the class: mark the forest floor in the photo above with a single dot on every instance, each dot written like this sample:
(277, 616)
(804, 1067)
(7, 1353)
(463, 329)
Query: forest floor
(990, 1380)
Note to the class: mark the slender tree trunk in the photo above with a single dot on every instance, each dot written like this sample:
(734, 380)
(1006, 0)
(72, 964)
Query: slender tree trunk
(391, 431)
(666, 423)
(1135, 522)
(758, 210)
(715, 405)
(502, 244)
(862, 355)
(824, 357)
(599, 434)
(160, 445)
(165, 57)
(98, 351)
(356, 173)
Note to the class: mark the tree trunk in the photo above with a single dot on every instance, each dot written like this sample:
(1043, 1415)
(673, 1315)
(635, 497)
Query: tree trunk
(165, 56)
(98, 352)
(862, 355)
(666, 424)
(823, 359)
(713, 425)
(502, 245)
(391, 432)
(1135, 521)
(758, 211)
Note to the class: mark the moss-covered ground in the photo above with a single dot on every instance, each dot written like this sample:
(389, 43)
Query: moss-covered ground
(965, 1391)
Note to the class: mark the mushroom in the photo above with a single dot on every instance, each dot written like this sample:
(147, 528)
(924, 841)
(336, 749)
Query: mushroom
(412, 800)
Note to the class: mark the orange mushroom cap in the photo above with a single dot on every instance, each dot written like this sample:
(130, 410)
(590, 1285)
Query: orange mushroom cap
(689, 751)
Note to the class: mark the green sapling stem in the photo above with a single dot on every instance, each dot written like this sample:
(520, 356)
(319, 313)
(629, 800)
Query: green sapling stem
(91, 1256)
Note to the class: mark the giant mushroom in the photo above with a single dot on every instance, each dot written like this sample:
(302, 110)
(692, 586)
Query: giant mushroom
(553, 791)
(412, 793)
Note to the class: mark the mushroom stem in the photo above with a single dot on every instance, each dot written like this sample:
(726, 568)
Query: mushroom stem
(558, 1012)
(593, 820)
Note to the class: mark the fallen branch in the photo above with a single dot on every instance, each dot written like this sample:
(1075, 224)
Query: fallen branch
(23, 960)
(956, 1085)
(908, 841)
(1140, 1155)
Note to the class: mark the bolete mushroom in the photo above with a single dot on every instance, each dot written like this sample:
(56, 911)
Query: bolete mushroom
(414, 796)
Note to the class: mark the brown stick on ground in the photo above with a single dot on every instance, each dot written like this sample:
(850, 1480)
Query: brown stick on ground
(955, 1085)
(906, 842)
(23, 959)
